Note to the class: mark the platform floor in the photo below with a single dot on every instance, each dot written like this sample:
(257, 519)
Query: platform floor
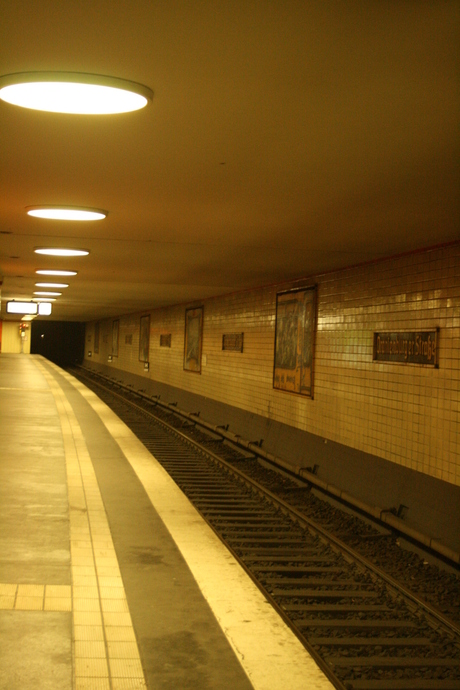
(109, 578)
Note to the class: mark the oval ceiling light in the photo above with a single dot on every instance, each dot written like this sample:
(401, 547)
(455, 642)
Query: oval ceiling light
(52, 285)
(48, 294)
(66, 213)
(45, 272)
(60, 251)
(72, 92)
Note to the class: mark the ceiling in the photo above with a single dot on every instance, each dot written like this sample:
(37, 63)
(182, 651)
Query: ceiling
(284, 139)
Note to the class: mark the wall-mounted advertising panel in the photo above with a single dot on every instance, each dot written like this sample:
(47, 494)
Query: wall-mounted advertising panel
(115, 331)
(295, 341)
(193, 338)
(144, 338)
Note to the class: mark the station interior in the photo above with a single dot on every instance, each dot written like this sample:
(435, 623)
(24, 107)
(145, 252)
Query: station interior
(296, 167)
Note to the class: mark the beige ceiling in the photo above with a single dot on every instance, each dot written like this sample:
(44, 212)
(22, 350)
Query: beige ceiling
(284, 139)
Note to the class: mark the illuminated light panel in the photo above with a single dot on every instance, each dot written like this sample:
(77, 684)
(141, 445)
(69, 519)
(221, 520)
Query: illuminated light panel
(58, 251)
(29, 309)
(48, 294)
(50, 272)
(21, 308)
(44, 308)
(71, 92)
(66, 213)
(52, 285)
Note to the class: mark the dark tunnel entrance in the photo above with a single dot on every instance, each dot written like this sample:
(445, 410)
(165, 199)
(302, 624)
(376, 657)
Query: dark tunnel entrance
(62, 342)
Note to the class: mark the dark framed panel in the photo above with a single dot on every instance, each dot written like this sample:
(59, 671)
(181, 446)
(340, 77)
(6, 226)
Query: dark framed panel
(193, 339)
(115, 331)
(295, 341)
(96, 337)
(233, 342)
(165, 340)
(407, 347)
(144, 338)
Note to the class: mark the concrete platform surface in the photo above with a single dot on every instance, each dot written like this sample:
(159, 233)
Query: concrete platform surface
(109, 578)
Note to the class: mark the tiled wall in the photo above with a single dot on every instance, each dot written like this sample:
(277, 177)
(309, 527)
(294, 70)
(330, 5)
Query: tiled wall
(405, 413)
(11, 340)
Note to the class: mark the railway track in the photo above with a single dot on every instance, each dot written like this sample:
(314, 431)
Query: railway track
(365, 630)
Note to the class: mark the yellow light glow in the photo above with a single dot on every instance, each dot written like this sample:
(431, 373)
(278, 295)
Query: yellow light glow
(48, 294)
(66, 213)
(60, 251)
(70, 92)
(50, 272)
(52, 285)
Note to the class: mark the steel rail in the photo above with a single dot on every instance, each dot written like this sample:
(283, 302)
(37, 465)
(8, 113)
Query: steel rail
(437, 620)
(295, 513)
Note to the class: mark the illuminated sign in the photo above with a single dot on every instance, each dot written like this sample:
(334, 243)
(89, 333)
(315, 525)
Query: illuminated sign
(34, 308)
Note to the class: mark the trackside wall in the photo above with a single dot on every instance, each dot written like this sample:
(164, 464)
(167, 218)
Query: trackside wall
(403, 413)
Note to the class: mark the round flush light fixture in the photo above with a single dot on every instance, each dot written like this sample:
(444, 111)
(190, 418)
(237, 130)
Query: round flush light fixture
(50, 272)
(61, 251)
(71, 92)
(52, 285)
(66, 213)
(48, 294)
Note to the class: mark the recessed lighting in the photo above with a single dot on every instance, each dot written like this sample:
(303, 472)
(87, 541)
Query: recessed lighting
(58, 251)
(66, 213)
(44, 272)
(52, 285)
(48, 294)
(71, 92)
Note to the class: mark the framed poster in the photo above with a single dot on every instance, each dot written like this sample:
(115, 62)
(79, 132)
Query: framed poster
(295, 341)
(144, 338)
(96, 337)
(193, 338)
(115, 329)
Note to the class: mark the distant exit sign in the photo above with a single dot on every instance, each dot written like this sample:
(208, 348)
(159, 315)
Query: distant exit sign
(414, 347)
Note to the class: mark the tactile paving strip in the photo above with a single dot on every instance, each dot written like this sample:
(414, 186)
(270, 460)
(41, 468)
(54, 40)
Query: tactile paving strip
(106, 655)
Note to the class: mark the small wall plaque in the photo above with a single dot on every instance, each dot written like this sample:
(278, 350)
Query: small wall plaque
(165, 340)
(233, 342)
(129, 339)
(146, 366)
(414, 347)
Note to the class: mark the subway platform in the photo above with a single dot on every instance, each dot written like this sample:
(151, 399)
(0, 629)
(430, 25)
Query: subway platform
(109, 578)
